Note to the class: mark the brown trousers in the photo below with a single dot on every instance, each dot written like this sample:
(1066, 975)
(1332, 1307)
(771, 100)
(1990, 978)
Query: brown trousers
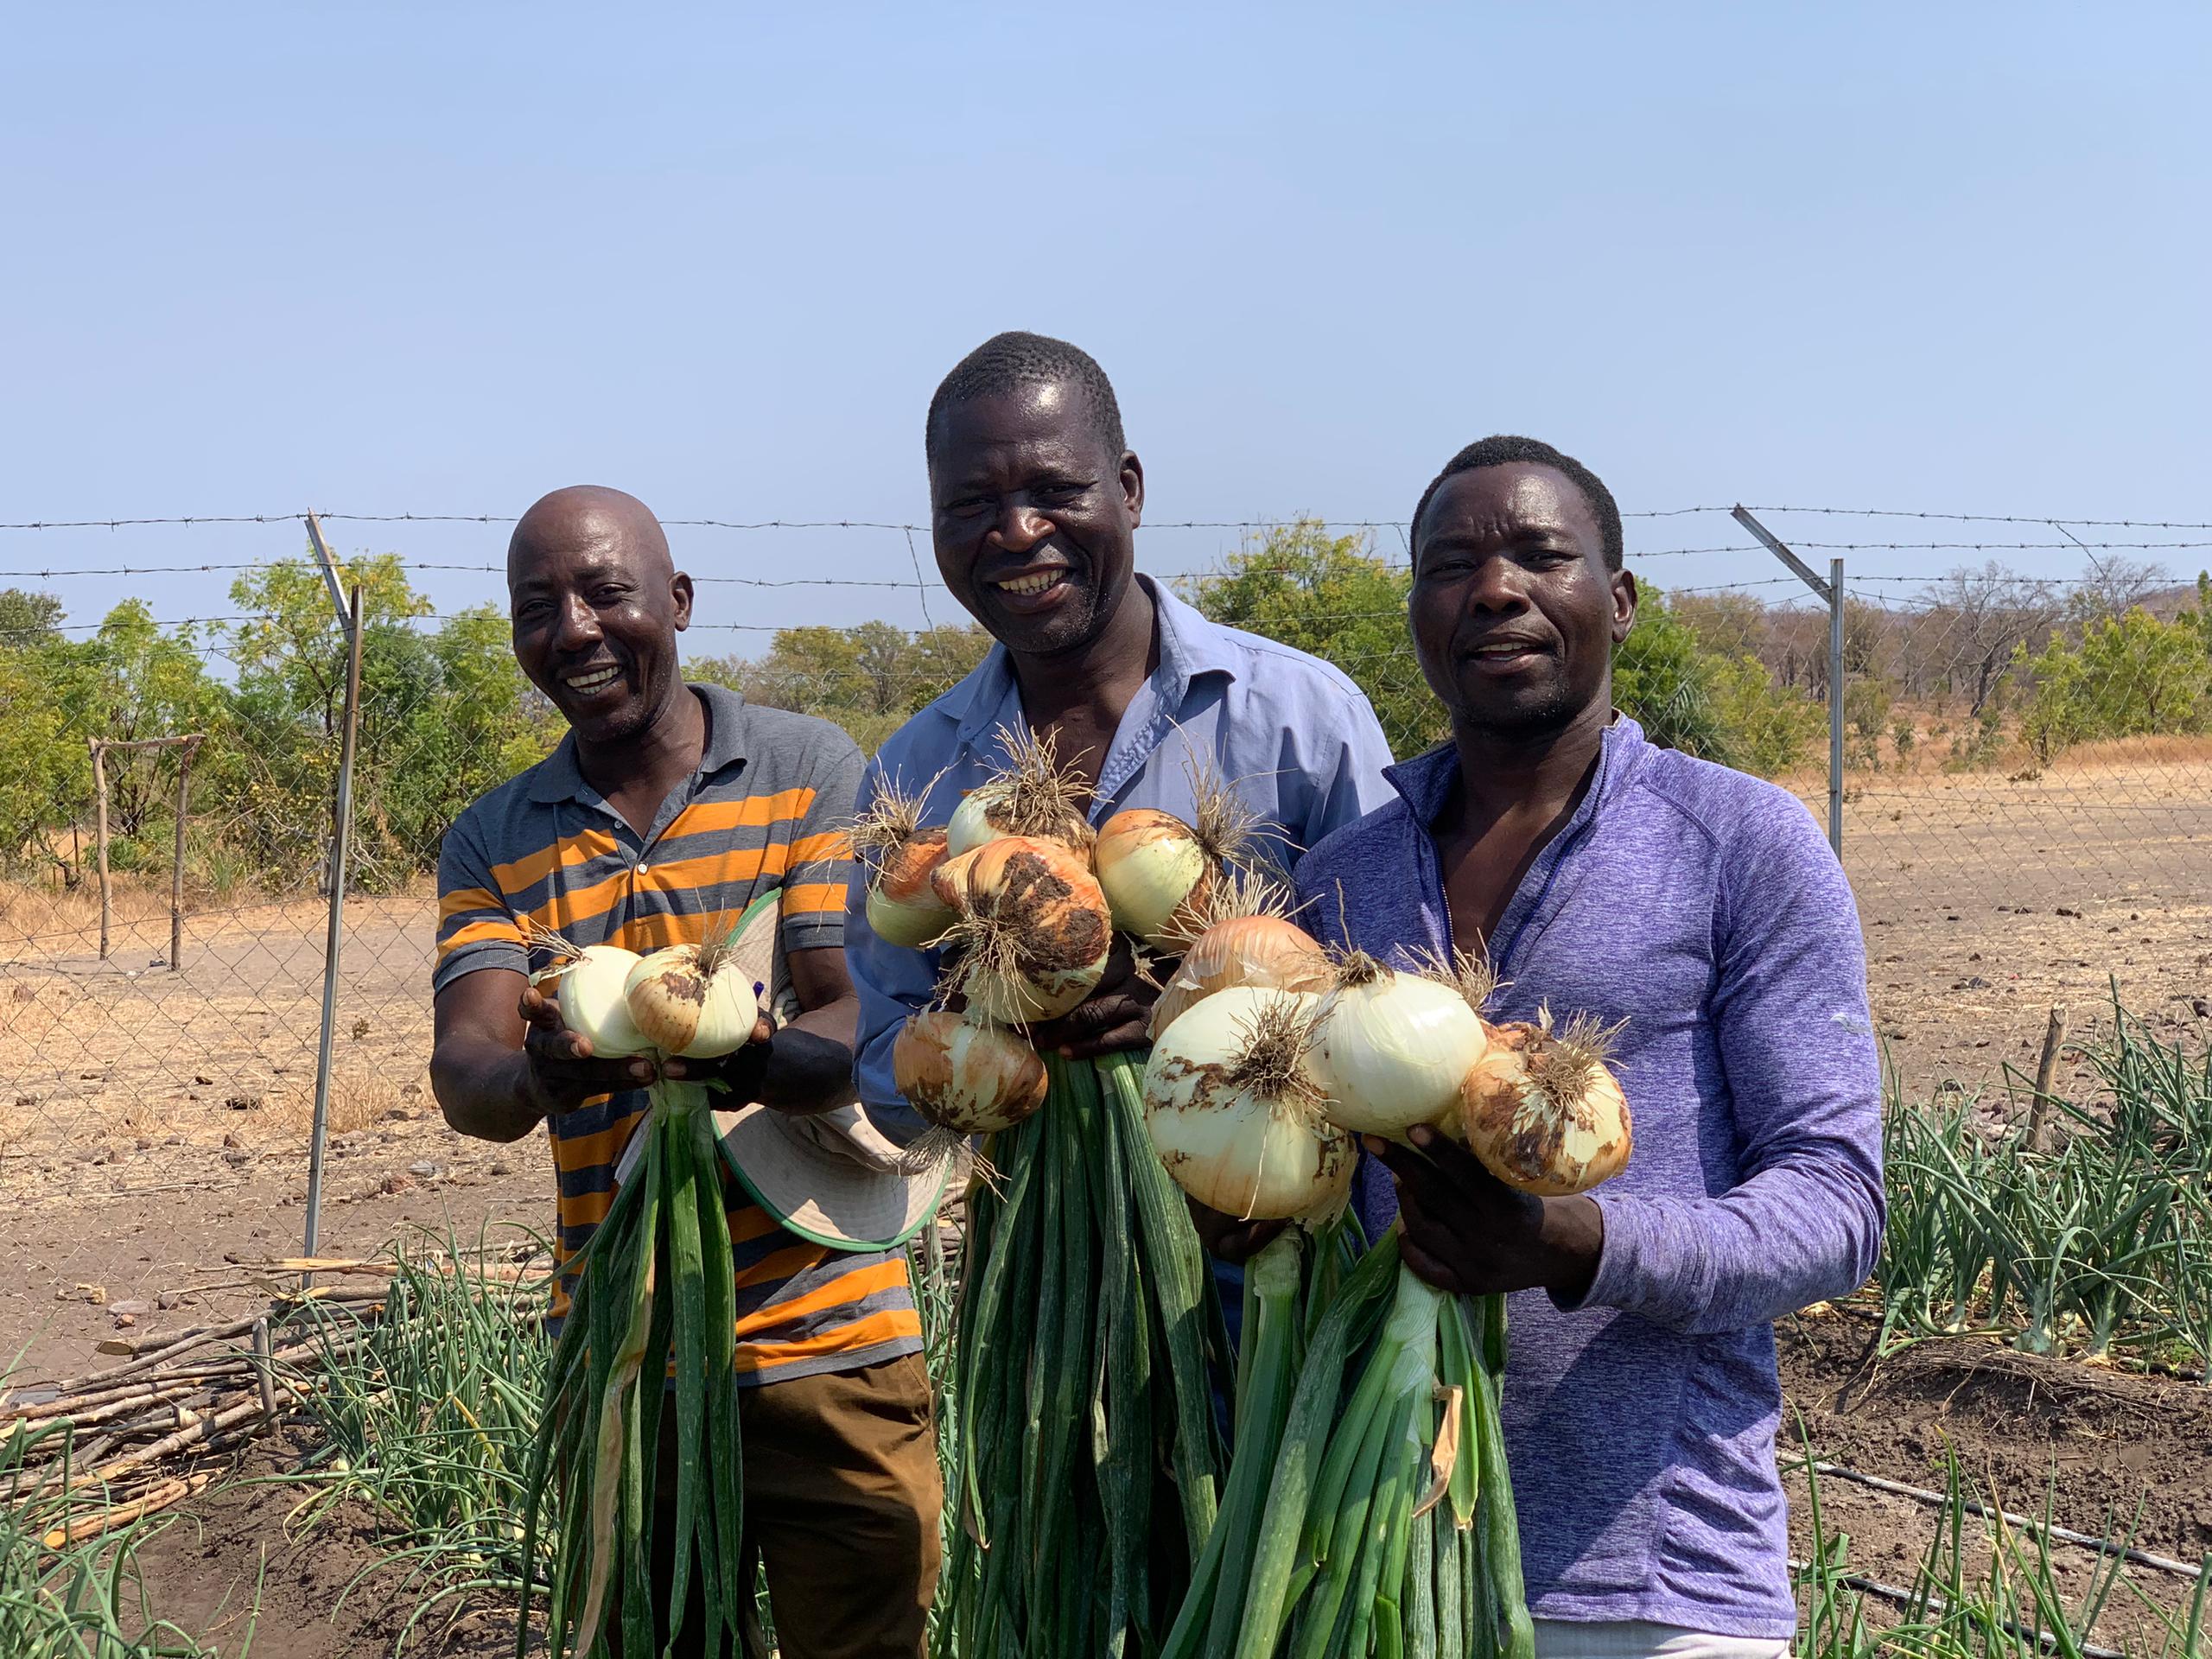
(841, 1505)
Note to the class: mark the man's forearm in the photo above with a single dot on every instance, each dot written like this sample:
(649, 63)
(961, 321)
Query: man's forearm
(485, 1092)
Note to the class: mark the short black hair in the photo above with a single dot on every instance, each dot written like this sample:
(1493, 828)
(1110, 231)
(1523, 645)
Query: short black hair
(1502, 450)
(1006, 362)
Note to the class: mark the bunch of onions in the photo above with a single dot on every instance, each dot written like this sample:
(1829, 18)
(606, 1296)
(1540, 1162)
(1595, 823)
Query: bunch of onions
(966, 1077)
(1247, 940)
(655, 1295)
(1160, 873)
(691, 1001)
(1392, 1049)
(1543, 1111)
(1234, 1110)
(1029, 797)
(1080, 1327)
(1032, 932)
(901, 855)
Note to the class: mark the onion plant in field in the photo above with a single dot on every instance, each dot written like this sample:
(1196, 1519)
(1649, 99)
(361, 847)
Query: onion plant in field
(2101, 1243)
(427, 1413)
(1982, 1590)
(81, 1601)
(429, 1421)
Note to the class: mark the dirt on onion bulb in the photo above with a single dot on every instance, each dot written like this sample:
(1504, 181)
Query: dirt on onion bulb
(1234, 1111)
(693, 1000)
(1542, 1110)
(1034, 933)
(963, 1076)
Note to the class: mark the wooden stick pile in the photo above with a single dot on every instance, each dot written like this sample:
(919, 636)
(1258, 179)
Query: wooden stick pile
(95, 1451)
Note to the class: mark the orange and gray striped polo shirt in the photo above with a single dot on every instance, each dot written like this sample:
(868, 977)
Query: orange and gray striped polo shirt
(766, 812)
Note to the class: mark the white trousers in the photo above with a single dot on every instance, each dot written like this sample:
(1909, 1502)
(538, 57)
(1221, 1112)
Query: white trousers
(1635, 1638)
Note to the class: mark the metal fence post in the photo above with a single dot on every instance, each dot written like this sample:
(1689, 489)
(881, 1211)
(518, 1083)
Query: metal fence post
(99, 834)
(340, 838)
(1830, 593)
(1835, 706)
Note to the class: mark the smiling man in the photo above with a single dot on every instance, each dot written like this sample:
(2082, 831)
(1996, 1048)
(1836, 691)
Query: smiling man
(1035, 498)
(667, 808)
(1703, 911)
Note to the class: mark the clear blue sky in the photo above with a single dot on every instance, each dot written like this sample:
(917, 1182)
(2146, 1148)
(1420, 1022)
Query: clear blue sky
(442, 257)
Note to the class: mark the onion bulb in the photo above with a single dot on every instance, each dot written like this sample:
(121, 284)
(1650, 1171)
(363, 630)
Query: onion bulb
(902, 907)
(1262, 951)
(1234, 1111)
(1155, 874)
(592, 1003)
(692, 1000)
(1543, 1111)
(963, 1076)
(1390, 1049)
(1029, 796)
(900, 856)
(1033, 932)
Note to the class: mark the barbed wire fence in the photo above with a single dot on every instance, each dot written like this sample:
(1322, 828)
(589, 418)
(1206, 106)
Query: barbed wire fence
(2025, 784)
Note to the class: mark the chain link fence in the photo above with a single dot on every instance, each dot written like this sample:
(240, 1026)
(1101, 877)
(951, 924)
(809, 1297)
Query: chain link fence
(2027, 792)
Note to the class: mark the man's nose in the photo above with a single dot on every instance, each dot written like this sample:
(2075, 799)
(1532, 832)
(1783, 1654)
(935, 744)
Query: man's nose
(1019, 526)
(1497, 587)
(579, 628)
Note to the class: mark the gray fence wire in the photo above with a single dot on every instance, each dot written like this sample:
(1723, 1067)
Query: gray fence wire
(2025, 778)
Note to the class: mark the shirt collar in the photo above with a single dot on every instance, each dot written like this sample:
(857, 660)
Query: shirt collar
(559, 779)
(1425, 782)
(1191, 646)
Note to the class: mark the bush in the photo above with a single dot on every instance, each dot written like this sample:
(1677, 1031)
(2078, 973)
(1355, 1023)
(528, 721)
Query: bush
(1726, 709)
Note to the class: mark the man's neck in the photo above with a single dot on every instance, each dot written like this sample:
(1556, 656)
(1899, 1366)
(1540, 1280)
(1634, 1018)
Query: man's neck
(1539, 775)
(642, 768)
(1095, 683)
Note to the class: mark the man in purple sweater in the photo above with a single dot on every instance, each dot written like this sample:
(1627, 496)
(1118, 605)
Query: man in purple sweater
(1703, 908)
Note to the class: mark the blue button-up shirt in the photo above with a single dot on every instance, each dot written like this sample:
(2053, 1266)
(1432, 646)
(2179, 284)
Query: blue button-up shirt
(1296, 737)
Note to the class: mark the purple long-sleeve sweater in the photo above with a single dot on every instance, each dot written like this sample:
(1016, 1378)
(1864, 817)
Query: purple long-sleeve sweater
(1704, 908)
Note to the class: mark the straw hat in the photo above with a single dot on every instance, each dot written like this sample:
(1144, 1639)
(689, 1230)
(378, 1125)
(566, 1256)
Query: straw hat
(831, 1177)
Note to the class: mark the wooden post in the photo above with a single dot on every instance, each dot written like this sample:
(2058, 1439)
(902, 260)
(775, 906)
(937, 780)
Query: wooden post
(262, 1370)
(2054, 1038)
(184, 752)
(99, 834)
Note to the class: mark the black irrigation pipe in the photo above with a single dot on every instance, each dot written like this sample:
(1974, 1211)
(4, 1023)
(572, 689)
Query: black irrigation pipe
(1975, 1506)
(1937, 1605)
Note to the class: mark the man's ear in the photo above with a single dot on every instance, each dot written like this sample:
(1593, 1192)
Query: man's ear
(679, 590)
(1624, 604)
(1132, 475)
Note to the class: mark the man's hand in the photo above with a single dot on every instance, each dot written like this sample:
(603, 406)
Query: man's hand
(1468, 1232)
(1232, 1240)
(1116, 1016)
(564, 1073)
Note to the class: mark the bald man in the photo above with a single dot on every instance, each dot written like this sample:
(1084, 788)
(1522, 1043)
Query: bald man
(665, 806)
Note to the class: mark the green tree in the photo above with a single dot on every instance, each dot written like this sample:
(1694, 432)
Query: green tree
(1687, 697)
(2130, 674)
(45, 776)
(28, 619)
(444, 715)
(869, 679)
(1334, 596)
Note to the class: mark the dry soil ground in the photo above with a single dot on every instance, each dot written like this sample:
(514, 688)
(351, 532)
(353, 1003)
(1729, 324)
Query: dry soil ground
(153, 1124)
